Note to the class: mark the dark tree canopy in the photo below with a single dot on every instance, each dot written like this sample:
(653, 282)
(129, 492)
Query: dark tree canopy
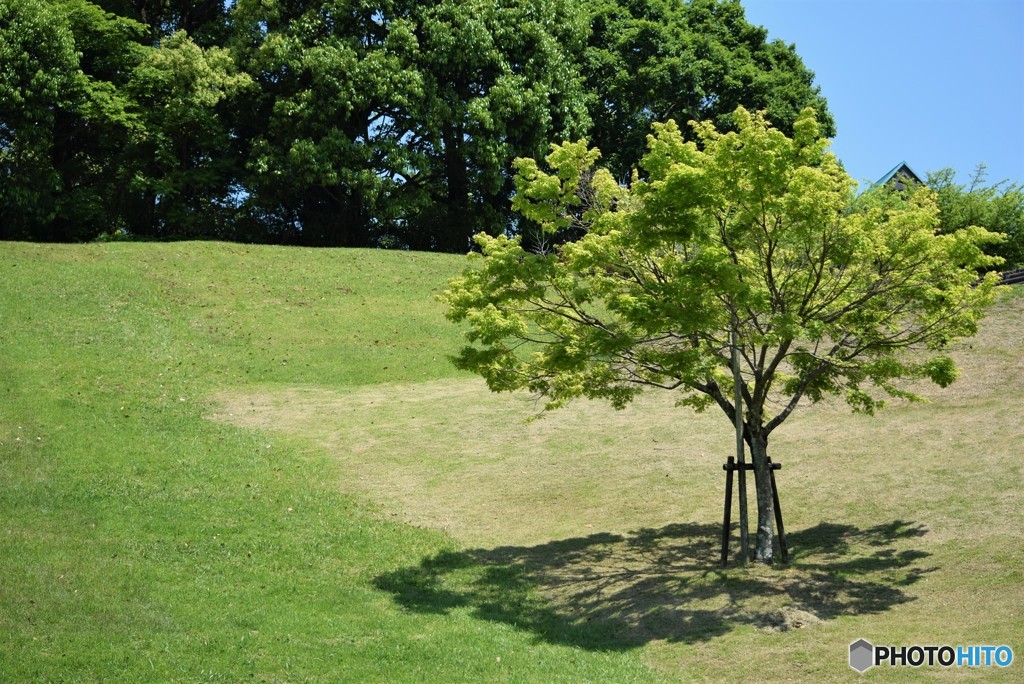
(654, 60)
(64, 117)
(347, 122)
(323, 141)
(204, 20)
(500, 81)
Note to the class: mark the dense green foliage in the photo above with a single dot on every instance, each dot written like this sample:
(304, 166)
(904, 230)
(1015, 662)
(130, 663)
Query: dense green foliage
(64, 117)
(347, 122)
(654, 60)
(747, 242)
(999, 207)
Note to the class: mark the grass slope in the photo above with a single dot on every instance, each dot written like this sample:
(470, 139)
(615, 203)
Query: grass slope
(903, 528)
(141, 542)
(225, 463)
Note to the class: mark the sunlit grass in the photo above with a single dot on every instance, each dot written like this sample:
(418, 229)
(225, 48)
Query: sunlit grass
(142, 542)
(227, 463)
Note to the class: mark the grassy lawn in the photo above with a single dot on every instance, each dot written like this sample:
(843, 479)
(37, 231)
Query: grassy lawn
(232, 463)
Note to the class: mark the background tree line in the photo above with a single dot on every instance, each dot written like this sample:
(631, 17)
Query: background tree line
(347, 122)
(998, 207)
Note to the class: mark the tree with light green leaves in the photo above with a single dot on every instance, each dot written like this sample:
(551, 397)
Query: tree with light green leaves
(749, 236)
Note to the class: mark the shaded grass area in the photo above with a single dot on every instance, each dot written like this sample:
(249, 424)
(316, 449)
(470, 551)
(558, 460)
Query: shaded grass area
(617, 592)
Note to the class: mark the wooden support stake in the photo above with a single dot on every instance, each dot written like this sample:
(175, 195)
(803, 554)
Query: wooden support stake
(729, 467)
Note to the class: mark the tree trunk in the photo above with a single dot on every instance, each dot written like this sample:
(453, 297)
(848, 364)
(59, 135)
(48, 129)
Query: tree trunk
(764, 550)
(455, 236)
(334, 217)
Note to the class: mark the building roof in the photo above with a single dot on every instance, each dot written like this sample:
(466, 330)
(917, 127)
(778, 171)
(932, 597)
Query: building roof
(902, 170)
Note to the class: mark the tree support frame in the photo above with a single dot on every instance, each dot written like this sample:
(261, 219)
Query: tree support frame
(730, 466)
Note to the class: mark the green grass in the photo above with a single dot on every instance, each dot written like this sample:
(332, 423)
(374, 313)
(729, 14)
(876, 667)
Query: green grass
(142, 542)
(233, 463)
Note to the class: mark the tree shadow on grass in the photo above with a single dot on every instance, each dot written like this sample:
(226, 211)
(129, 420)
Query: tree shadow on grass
(616, 592)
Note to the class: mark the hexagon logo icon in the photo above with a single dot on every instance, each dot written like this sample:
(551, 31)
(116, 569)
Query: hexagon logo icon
(862, 655)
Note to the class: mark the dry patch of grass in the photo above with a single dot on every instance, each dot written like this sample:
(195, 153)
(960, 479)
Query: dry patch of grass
(452, 455)
(599, 528)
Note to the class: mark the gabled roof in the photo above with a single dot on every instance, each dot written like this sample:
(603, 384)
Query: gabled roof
(904, 171)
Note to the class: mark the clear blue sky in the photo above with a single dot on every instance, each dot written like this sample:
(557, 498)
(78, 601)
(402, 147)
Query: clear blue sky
(935, 83)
